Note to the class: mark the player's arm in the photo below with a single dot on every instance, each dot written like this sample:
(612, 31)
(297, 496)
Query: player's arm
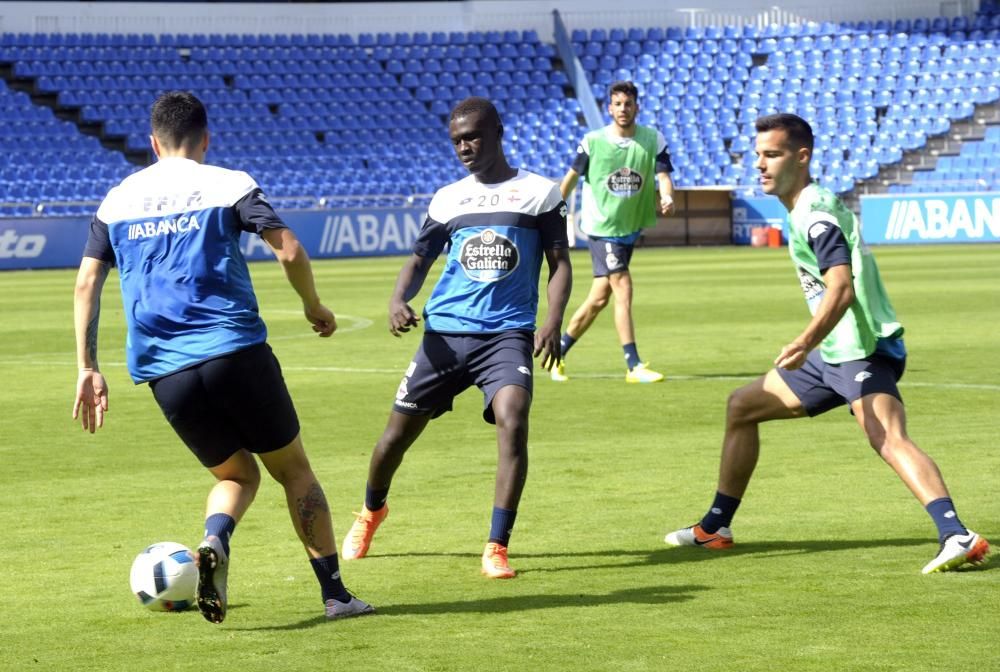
(666, 193)
(580, 164)
(568, 183)
(663, 168)
(434, 236)
(408, 283)
(295, 262)
(91, 400)
(257, 216)
(557, 291)
(834, 259)
(554, 240)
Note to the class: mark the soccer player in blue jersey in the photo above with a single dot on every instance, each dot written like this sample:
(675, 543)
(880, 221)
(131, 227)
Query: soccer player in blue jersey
(196, 337)
(851, 352)
(479, 322)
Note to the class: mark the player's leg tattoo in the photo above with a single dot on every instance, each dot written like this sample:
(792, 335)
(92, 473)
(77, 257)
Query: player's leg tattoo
(310, 506)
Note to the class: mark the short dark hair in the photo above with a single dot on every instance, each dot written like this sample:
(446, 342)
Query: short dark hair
(799, 132)
(178, 118)
(476, 105)
(624, 86)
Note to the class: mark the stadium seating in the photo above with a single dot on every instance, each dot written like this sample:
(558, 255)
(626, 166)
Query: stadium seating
(361, 120)
(870, 91)
(47, 159)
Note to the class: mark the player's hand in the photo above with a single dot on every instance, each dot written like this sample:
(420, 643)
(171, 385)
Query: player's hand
(401, 318)
(667, 206)
(792, 356)
(323, 320)
(91, 401)
(547, 345)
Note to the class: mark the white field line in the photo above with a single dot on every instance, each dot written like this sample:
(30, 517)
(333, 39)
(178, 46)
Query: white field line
(398, 371)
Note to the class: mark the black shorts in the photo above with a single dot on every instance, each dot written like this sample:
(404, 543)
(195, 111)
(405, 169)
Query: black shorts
(821, 386)
(609, 256)
(229, 403)
(447, 364)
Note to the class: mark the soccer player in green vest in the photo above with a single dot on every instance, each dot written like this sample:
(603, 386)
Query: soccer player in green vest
(851, 352)
(618, 163)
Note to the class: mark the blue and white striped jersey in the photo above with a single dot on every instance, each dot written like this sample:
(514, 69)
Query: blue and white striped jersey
(496, 235)
(173, 230)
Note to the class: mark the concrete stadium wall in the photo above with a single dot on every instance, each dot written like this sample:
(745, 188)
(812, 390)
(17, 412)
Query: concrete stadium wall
(354, 18)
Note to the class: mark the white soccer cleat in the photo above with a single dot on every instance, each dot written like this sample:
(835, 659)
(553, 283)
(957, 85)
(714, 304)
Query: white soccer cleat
(336, 610)
(643, 374)
(213, 571)
(720, 540)
(558, 372)
(957, 550)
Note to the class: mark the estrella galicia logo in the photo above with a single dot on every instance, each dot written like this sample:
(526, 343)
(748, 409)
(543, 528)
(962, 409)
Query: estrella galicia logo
(488, 256)
(624, 182)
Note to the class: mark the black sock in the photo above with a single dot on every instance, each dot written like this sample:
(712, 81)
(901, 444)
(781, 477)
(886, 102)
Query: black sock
(375, 499)
(565, 343)
(721, 514)
(222, 526)
(502, 525)
(942, 512)
(328, 573)
(631, 356)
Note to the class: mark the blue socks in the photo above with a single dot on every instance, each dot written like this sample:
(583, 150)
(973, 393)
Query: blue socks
(631, 356)
(328, 573)
(721, 514)
(502, 525)
(220, 525)
(375, 499)
(631, 352)
(943, 514)
(565, 343)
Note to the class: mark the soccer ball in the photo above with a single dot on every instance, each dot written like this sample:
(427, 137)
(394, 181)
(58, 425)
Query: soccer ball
(164, 577)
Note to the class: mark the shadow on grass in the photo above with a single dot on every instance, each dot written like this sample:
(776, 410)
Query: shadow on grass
(763, 550)
(514, 603)
(668, 555)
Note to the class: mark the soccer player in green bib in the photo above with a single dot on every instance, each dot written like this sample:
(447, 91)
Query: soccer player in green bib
(618, 163)
(851, 352)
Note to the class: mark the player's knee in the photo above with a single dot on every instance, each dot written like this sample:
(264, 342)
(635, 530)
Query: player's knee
(739, 407)
(248, 477)
(599, 302)
(890, 446)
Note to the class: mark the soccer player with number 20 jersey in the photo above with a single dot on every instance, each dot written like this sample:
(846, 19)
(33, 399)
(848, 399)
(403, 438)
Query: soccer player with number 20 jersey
(479, 322)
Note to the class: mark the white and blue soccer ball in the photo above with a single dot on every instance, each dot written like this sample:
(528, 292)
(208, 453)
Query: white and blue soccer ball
(165, 577)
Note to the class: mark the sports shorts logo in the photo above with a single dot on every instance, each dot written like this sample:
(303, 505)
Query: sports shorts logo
(611, 259)
(525, 370)
(624, 182)
(403, 390)
(862, 377)
(488, 256)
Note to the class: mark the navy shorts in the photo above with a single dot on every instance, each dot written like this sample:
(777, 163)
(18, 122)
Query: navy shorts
(229, 403)
(447, 364)
(609, 256)
(821, 386)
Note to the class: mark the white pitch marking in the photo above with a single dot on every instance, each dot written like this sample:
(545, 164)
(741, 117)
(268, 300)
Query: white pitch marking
(584, 376)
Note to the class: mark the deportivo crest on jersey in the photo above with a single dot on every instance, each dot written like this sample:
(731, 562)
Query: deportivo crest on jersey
(624, 182)
(488, 256)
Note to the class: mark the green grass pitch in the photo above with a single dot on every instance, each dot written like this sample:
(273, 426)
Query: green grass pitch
(825, 576)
